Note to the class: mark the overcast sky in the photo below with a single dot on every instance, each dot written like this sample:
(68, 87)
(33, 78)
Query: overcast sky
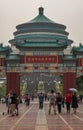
(66, 12)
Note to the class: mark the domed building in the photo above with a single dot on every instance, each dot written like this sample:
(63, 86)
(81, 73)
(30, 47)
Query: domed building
(41, 43)
(40, 32)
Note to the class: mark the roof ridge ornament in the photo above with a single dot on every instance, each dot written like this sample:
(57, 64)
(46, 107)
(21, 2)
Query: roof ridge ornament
(41, 9)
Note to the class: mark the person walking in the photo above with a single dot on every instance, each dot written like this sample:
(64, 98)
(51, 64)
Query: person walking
(27, 99)
(59, 102)
(52, 102)
(16, 106)
(74, 102)
(41, 100)
(68, 102)
(9, 100)
(13, 104)
(63, 102)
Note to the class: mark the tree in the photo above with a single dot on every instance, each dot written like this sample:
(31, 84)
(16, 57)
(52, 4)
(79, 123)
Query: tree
(2, 90)
(79, 83)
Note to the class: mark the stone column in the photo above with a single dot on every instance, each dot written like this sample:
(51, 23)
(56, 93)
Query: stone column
(69, 81)
(13, 82)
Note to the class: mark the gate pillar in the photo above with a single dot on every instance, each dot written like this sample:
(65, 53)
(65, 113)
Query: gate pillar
(13, 82)
(69, 81)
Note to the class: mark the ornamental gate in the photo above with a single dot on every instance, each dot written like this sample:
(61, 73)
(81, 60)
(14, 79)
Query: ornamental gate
(55, 67)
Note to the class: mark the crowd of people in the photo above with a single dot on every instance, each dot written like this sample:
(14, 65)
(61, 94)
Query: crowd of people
(56, 102)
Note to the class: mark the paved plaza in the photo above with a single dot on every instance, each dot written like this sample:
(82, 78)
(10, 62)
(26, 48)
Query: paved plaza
(32, 118)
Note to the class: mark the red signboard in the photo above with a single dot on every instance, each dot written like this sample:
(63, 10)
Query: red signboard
(41, 59)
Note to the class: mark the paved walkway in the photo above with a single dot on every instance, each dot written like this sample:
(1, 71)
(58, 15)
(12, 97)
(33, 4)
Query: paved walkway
(32, 118)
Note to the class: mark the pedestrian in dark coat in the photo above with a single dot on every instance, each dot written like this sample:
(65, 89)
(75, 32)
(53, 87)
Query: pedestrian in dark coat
(74, 102)
(41, 100)
(59, 102)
